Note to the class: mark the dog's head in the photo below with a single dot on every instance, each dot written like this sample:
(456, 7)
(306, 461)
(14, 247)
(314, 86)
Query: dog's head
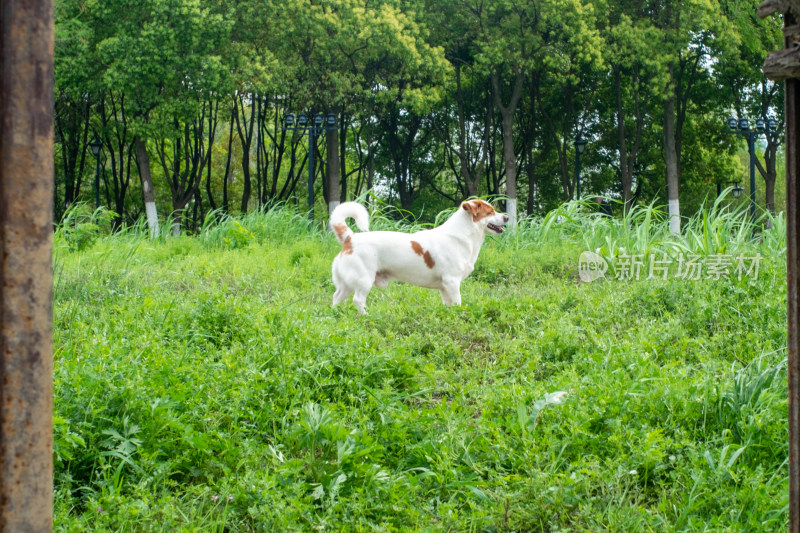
(484, 215)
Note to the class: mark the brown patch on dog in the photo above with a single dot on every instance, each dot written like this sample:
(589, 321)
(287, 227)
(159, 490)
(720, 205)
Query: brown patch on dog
(340, 230)
(478, 209)
(471, 207)
(426, 255)
(347, 246)
(429, 262)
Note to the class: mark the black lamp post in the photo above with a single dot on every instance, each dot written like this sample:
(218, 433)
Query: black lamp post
(742, 127)
(96, 146)
(580, 146)
(319, 124)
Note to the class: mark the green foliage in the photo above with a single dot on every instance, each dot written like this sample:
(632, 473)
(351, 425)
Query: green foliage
(415, 87)
(80, 227)
(205, 387)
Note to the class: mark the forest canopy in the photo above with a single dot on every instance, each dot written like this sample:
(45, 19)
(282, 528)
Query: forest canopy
(431, 102)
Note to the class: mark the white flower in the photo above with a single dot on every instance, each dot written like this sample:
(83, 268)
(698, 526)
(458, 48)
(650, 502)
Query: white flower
(556, 397)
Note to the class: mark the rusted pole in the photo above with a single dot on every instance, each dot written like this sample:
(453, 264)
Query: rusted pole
(792, 109)
(26, 211)
(784, 65)
(793, 290)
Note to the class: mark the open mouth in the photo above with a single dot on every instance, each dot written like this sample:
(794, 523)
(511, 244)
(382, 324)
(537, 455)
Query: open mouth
(496, 229)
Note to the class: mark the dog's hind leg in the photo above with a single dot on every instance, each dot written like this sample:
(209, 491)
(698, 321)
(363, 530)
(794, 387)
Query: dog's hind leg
(360, 297)
(343, 287)
(340, 295)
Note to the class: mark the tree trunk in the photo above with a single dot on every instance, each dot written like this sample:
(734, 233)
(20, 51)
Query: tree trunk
(470, 180)
(509, 157)
(626, 172)
(245, 130)
(113, 120)
(225, 178)
(211, 202)
(531, 200)
(343, 159)
(147, 186)
(671, 162)
(567, 179)
(257, 118)
(770, 173)
(769, 193)
(370, 171)
(332, 155)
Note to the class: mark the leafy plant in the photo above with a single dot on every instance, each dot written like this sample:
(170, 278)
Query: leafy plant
(80, 228)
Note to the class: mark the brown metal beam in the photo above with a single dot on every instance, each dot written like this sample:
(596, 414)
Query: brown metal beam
(782, 65)
(793, 273)
(793, 290)
(26, 217)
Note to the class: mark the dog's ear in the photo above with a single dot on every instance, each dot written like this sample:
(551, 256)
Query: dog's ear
(471, 208)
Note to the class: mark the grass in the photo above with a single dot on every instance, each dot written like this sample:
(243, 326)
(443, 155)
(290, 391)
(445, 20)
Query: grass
(205, 384)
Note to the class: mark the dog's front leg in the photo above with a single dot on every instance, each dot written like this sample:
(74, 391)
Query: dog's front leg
(451, 291)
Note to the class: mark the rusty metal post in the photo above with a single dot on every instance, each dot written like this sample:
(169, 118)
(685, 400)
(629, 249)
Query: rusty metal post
(26, 229)
(792, 110)
(784, 65)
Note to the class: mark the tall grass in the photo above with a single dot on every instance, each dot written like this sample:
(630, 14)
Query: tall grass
(205, 384)
(718, 229)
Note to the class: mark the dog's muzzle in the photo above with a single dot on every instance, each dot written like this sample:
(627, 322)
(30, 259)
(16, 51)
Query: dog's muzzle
(496, 229)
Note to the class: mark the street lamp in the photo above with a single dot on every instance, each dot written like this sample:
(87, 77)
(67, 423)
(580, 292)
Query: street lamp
(96, 146)
(319, 124)
(768, 127)
(737, 189)
(580, 146)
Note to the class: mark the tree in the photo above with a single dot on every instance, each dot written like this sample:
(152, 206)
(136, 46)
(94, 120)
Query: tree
(435, 100)
(75, 96)
(184, 157)
(690, 29)
(632, 55)
(154, 61)
(519, 39)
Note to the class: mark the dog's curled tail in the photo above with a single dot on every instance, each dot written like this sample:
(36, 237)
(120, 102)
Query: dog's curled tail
(348, 210)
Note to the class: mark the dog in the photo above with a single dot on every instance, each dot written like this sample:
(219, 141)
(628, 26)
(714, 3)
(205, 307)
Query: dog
(438, 258)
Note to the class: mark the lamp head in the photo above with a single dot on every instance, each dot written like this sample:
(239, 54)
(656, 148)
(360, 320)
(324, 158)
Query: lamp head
(772, 124)
(580, 144)
(95, 145)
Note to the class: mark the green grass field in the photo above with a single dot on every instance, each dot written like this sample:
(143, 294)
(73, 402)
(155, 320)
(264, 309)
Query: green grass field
(206, 384)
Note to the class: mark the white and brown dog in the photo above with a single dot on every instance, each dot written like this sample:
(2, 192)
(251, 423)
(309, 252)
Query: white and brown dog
(438, 258)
